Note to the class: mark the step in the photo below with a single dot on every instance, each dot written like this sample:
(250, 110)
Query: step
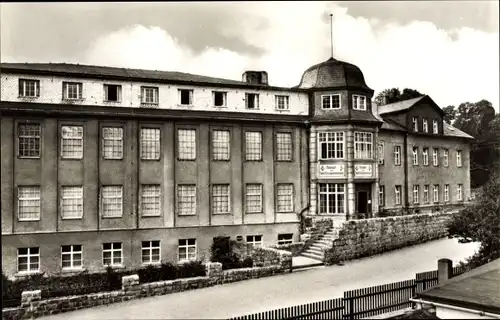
(318, 246)
(325, 242)
(312, 256)
(315, 250)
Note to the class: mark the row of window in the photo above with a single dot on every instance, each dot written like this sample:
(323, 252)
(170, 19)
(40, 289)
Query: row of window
(333, 101)
(28, 259)
(71, 200)
(425, 125)
(332, 145)
(72, 136)
(425, 156)
(149, 95)
(416, 194)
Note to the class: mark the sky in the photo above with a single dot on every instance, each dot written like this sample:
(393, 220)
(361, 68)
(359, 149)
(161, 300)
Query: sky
(448, 50)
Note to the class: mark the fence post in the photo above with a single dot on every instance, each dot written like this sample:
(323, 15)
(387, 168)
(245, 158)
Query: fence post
(351, 309)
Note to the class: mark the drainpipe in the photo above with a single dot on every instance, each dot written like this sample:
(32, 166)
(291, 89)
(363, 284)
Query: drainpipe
(405, 147)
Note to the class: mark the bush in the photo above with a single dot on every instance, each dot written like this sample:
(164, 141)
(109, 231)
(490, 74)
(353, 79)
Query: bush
(247, 262)
(191, 269)
(222, 250)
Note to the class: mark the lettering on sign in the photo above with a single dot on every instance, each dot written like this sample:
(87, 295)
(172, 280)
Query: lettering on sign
(331, 170)
(363, 170)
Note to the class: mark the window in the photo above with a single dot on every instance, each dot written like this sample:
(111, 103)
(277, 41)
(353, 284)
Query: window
(446, 192)
(331, 145)
(435, 128)
(72, 142)
(150, 143)
(253, 198)
(435, 156)
(220, 98)
(186, 139)
(253, 145)
(71, 256)
(435, 192)
(150, 252)
(252, 101)
(415, 193)
(285, 197)
(71, 202)
(358, 102)
(415, 124)
(362, 145)
(254, 242)
(221, 145)
(72, 90)
(459, 158)
(284, 146)
(187, 249)
(221, 199)
(29, 140)
(186, 200)
(28, 203)
(381, 196)
(282, 103)
(286, 238)
(381, 153)
(331, 198)
(445, 157)
(397, 192)
(112, 93)
(426, 193)
(28, 259)
(149, 95)
(29, 88)
(425, 125)
(112, 201)
(330, 101)
(112, 143)
(150, 200)
(425, 156)
(397, 155)
(186, 96)
(459, 193)
(112, 254)
(415, 156)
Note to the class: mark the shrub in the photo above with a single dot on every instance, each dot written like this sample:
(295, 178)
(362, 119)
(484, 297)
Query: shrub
(247, 262)
(222, 250)
(168, 271)
(149, 274)
(191, 269)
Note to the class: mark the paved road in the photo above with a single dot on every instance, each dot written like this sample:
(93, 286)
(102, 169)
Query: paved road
(301, 286)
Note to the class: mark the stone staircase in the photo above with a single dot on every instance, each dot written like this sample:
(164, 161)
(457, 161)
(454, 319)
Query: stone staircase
(314, 250)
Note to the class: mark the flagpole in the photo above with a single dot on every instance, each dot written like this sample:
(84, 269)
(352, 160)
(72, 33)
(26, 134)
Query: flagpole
(331, 32)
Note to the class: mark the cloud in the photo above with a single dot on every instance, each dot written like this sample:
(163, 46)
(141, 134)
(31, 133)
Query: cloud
(452, 66)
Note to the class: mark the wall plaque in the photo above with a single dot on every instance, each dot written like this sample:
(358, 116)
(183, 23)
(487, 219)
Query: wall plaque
(331, 170)
(363, 170)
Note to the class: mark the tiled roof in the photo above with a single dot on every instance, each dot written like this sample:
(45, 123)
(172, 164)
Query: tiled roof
(391, 125)
(477, 289)
(398, 106)
(451, 131)
(99, 71)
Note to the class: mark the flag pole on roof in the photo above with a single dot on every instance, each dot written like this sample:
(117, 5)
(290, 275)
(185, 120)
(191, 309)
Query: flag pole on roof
(331, 32)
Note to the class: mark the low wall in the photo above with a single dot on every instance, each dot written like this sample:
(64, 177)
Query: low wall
(361, 238)
(294, 248)
(32, 305)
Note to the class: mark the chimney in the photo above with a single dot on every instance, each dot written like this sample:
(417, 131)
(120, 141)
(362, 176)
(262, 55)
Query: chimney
(384, 100)
(445, 270)
(255, 77)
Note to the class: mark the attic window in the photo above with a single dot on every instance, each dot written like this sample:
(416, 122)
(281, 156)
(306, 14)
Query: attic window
(252, 101)
(112, 92)
(186, 96)
(331, 101)
(358, 102)
(220, 98)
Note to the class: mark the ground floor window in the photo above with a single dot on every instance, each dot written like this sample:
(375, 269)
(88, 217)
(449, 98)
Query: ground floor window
(331, 198)
(187, 249)
(112, 254)
(254, 242)
(285, 238)
(397, 194)
(71, 256)
(381, 196)
(28, 259)
(150, 252)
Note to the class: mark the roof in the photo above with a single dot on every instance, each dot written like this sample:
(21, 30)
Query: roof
(391, 125)
(417, 314)
(450, 130)
(333, 73)
(92, 71)
(478, 289)
(399, 106)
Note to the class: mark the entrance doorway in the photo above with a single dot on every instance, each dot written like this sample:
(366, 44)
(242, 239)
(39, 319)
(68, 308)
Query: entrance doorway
(362, 202)
(363, 198)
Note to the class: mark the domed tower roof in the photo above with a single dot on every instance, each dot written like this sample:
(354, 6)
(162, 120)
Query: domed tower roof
(333, 73)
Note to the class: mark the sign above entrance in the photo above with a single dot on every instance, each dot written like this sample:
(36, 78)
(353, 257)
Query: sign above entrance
(363, 170)
(331, 171)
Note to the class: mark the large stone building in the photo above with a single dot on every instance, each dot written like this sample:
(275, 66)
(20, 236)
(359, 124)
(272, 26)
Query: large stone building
(127, 167)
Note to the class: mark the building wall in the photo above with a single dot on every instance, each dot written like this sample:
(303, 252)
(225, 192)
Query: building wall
(391, 175)
(169, 98)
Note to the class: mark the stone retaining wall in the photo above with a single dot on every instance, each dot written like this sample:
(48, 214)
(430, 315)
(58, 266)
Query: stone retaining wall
(361, 238)
(294, 248)
(32, 305)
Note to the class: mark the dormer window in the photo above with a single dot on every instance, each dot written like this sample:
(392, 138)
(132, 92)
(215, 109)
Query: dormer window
(29, 88)
(72, 90)
(358, 102)
(186, 96)
(425, 125)
(220, 98)
(149, 95)
(435, 128)
(282, 103)
(415, 124)
(331, 101)
(112, 93)
(252, 101)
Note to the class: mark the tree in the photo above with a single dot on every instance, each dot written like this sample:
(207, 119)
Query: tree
(394, 95)
(450, 114)
(480, 222)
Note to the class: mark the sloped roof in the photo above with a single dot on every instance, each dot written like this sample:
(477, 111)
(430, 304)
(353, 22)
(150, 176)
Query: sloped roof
(124, 73)
(391, 125)
(399, 106)
(478, 289)
(450, 130)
